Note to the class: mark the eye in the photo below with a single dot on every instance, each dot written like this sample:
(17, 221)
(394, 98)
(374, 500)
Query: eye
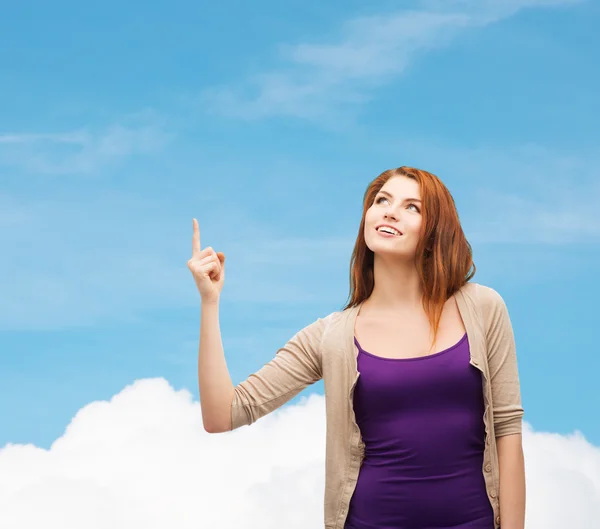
(379, 199)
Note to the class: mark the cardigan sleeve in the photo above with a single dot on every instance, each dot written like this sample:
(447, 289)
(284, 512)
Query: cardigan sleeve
(295, 366)
(502, 361)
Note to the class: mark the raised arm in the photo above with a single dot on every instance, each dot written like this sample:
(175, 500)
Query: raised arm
(295, 366)
(214, 381)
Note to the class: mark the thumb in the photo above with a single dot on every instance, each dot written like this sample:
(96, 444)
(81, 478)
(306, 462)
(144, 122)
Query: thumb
(219, 275)
(221, 257)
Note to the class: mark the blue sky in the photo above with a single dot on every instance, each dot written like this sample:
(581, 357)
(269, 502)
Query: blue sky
(266, 121)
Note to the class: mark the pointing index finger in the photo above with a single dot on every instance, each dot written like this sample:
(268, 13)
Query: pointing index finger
(196, 238)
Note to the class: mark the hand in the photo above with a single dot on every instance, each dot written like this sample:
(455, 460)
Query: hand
(207, 267)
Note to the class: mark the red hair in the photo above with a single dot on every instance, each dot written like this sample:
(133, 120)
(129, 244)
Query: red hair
(444, 257)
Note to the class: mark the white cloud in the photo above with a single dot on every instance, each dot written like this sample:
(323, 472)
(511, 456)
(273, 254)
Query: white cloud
(563, 480)
(83, 150)
(144, 460)
(315, 79)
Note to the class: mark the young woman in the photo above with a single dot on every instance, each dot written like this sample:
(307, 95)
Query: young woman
(422, 390)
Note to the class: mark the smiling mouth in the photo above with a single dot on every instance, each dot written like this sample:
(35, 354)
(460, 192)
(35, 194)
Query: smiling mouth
(389, 232)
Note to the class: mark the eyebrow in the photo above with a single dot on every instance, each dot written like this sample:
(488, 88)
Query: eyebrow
(382, 192)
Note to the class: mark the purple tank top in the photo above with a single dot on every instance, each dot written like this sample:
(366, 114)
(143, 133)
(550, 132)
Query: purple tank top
(421, 420)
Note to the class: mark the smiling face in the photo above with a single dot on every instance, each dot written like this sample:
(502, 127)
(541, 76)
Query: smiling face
(398, 204)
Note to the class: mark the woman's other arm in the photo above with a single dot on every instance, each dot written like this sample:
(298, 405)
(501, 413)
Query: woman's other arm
(507, 411)
(512, 481)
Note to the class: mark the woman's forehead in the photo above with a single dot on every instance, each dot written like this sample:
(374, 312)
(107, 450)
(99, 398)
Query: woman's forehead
(401, 187)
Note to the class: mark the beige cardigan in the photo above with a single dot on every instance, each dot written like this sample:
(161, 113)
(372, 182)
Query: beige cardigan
(325, 349)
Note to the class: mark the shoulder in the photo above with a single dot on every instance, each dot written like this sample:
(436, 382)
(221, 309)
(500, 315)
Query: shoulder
(336, 324)
(489, 301)
(338, 317)
(323, 324)
(488, 297)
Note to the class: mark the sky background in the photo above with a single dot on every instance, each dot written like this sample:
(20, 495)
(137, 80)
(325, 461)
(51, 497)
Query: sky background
(266, 121)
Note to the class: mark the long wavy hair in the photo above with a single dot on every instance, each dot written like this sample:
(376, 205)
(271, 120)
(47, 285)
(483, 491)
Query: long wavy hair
(444, 258)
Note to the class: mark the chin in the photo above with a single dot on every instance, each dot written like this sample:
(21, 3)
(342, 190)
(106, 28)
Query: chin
(385, 250)
(388, 252)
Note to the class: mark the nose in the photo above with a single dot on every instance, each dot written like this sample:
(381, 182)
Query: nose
(389, 214)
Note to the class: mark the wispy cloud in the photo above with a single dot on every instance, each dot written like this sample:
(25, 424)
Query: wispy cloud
(76, 138)
(518, 219)
(117, 267)
(74, 258)
(527, 194)
(83, 150)
(314, 80)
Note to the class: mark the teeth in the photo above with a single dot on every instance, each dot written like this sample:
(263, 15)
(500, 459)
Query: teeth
(388, 230)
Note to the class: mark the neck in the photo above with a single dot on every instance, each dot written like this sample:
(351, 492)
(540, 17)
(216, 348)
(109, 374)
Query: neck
(397, 284)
